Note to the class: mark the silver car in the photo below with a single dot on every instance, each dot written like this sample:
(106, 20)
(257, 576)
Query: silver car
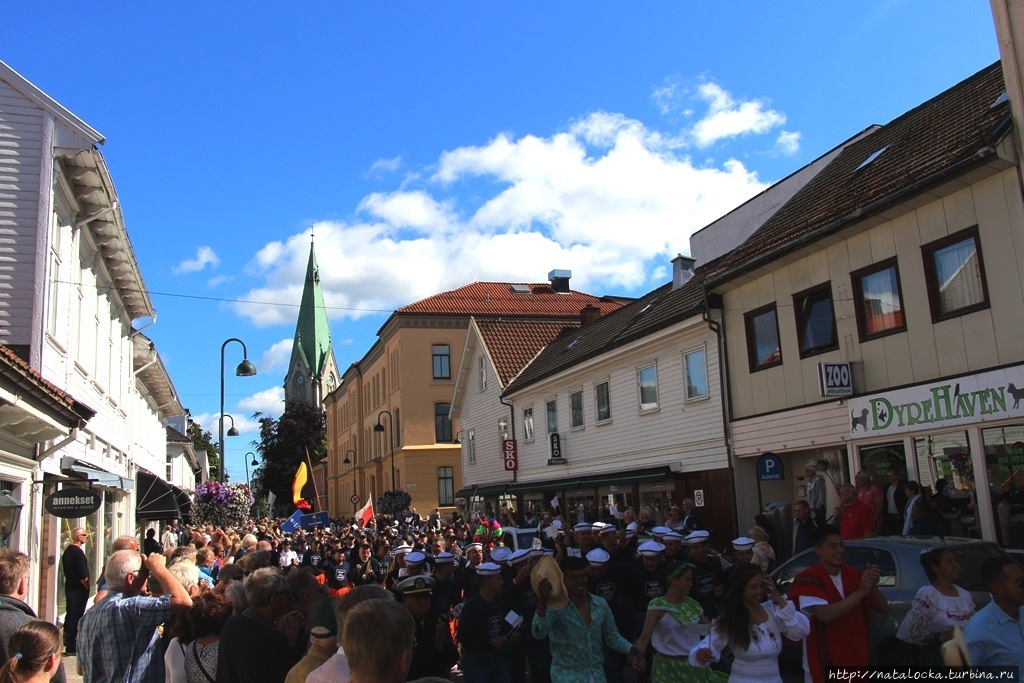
(899, 558)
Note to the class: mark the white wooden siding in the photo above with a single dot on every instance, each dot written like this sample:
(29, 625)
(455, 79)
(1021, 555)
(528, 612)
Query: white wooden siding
(480, 413)
(687, 437)
(963, 344)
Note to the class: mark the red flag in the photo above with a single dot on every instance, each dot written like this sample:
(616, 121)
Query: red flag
(365, 513)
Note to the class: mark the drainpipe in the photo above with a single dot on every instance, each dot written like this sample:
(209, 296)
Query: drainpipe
(154, 359)
(723, 382)
(59, 445)
(151, 322)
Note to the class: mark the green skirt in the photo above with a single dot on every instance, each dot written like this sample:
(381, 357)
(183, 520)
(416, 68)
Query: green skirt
(673, 670)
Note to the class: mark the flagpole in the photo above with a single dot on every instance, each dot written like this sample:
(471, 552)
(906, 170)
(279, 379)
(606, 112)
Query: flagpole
(316, 491)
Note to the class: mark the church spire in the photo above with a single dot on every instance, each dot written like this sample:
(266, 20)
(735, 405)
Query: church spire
(312, 332)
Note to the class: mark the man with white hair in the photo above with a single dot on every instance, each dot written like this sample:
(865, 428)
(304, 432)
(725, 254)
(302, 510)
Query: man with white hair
(118, 638)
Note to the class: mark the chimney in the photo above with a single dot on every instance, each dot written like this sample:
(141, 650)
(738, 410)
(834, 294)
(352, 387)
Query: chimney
(559, 280)
(589, 314)
(682, 270)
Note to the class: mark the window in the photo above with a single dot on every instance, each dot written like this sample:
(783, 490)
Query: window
(445, 486)
(483, 373)
(442, 423)
(878, 300)
(469, 446)
(576, 409)
(528, 423)
(955, 275)
(398, 427)
(695, 364)
(815, 320)
(442, 361)
(647, 383)
(53, 301)
(763, 348)
(603, 399)
(552, 414)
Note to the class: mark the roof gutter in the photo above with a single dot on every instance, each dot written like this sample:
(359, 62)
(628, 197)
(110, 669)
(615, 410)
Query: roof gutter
(862, 212)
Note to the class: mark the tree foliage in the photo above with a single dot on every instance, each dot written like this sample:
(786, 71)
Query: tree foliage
(202, 440)
(282, 446)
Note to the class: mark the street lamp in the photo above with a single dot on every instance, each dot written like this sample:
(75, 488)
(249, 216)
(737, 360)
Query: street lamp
(244, 369)
(10, 513)
(346, 461)
(248, 479)
(391, 430)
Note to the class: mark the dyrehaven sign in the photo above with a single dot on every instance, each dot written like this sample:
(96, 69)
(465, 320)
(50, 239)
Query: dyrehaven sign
(985, 397)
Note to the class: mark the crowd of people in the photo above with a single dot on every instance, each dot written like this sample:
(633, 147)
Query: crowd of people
(423, 599)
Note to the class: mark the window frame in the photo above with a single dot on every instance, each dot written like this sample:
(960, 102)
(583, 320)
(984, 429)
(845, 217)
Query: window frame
(434, 357)
(597, 402)
(801, 320)
(446, 416)
(446, 476)
(572, 412)
(469, 444)
(547, 415)
(931, 277)
(748, 325)
(531, 434)
(858, 298)
(703, 348)
(639, 389)
(483, 373)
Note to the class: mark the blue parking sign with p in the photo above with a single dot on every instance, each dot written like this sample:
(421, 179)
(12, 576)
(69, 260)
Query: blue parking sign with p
(769, 467)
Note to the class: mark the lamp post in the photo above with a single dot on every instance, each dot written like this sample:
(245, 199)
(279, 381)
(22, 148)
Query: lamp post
(248, 479)
(10, 513)
(244, 369)
(346, 461)
(391, 431)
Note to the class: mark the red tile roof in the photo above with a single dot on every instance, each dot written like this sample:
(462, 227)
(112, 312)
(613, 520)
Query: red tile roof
(946, 134)
(498, 299)
(514, 343)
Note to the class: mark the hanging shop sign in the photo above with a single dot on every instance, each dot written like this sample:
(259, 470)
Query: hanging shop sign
(557, 457)
(73, 503)
(511, 453)
(971, 399)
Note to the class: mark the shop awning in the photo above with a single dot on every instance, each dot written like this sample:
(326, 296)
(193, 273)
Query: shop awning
(80, 470)
(483, 490)
(184, 499)
(644, 476)
(155, 499)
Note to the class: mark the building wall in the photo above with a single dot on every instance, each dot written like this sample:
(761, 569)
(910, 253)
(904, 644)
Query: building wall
(971, 342)
(481, 415)
(687, 436)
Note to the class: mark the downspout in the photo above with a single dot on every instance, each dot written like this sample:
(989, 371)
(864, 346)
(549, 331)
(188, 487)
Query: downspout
(152, 321)
(59, 445)
(723, 382)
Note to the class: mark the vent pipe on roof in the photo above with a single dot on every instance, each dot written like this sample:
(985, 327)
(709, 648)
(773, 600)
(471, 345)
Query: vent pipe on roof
(589, 314)
(559, 280)
(682, 270)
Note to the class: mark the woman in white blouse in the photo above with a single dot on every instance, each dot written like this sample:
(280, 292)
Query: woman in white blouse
(752, 627)
(938, 607)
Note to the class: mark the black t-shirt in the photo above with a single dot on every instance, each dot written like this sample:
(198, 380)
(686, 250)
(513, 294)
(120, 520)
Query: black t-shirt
(706, 578)
(76, 568)
(480, 621)
(644, 586)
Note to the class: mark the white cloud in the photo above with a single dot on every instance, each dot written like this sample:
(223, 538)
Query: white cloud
(383, 166)
(728, 118)
(608, 197)
(270, 402)
(219, 280)
(788, 143)
(277, 356)
(667, 96)
(205, 256)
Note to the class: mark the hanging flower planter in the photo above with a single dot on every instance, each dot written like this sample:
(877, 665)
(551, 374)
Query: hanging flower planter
(222, 505)
(393, 502)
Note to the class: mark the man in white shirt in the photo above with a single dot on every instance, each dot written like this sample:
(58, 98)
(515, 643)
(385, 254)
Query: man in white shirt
(170, 537)
(816, 494)
(289, 558)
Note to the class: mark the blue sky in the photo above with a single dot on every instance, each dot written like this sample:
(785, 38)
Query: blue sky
(433, 144)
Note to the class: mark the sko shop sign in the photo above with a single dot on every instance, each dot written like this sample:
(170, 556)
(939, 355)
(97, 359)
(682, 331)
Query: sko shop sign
(72, 503)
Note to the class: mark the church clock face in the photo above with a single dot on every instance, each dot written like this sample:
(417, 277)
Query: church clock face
(330, 381)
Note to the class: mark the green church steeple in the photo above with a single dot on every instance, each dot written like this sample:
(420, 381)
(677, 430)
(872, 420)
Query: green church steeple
(312, 342)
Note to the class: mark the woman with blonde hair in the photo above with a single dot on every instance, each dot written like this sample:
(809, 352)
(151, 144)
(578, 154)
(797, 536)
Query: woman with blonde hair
(36, 654)
(764, 554)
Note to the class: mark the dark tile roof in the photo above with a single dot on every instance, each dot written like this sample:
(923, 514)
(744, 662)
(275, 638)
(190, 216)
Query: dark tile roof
(648, 314)
(944, 135)
(174, 436)
(499, 299)
(13, 367)
(513, 343)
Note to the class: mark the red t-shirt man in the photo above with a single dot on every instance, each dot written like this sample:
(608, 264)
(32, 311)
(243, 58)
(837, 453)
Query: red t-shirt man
(857, 519)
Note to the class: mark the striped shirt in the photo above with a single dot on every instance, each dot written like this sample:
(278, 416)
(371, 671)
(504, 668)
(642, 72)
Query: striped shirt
(118, 640)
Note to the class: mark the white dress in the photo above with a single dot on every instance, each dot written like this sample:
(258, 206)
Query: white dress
(933, 612)
(759, 663)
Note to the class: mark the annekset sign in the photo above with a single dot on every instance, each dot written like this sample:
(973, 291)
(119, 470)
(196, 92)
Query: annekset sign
(984, 397)
(73, 503)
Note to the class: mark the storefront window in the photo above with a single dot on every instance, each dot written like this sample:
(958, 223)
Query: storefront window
(656, 499)
(877, 460)
(91, 524)
(581, 505)
(622, 499)
(1004, 461)
(946, 474)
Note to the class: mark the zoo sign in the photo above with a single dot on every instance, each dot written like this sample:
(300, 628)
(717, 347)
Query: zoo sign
(971, 399)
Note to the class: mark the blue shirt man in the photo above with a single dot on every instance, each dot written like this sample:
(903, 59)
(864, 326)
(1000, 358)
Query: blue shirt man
(995, 635)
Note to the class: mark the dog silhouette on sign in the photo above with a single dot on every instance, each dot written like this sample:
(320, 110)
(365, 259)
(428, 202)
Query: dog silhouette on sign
(862, 420)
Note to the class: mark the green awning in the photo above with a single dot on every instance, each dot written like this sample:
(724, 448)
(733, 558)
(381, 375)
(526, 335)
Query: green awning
(483, 490)
(645, 476)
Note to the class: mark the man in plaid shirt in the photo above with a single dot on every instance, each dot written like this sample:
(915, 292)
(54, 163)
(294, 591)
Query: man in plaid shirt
(118, 640)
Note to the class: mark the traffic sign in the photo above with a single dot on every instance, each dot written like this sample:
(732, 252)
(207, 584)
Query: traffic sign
(769, 467)
(354, 499)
